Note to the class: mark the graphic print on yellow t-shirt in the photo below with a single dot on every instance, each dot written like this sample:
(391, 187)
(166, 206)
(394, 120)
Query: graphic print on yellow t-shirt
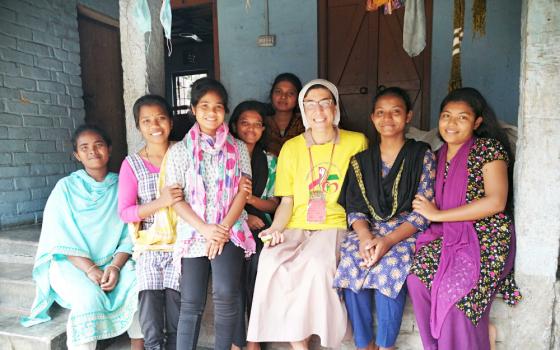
(322, 182)
(293, 177)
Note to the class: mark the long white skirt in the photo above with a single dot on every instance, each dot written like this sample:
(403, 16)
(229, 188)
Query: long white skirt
(294, 297)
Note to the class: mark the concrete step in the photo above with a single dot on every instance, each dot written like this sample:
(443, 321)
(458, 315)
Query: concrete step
(17, 253)
(18, 288)
(46, 336)
(18, 247)
(19, 244)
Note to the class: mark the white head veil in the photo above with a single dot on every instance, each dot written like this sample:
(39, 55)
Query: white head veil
(328, 85)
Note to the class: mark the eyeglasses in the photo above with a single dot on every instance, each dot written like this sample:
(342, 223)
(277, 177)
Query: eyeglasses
(246, 124)
(313, 105)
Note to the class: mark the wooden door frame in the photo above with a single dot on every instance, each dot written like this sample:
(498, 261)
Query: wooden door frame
(178, 4)
(322, 49)
(89, 17)
(322, 42)
(96, 16)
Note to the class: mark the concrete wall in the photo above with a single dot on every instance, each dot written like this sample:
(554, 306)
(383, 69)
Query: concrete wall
(143, 63)
(537, 203)
(40, 102)
(247, 70)
(490, 63)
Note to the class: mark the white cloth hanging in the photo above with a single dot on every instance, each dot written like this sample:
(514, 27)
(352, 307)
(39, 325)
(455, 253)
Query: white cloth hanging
(414, 27)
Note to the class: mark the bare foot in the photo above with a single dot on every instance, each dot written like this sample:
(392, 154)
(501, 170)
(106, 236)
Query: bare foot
(136, 344)
(300, 345)
(382, 348)
(370, 346)
(253, 345)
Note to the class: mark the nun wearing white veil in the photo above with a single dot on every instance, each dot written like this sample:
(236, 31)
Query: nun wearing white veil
(294, 298)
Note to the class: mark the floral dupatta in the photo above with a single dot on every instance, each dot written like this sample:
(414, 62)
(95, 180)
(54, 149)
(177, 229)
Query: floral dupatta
(229, 175)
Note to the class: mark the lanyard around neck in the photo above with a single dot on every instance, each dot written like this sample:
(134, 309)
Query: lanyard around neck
(312, 166)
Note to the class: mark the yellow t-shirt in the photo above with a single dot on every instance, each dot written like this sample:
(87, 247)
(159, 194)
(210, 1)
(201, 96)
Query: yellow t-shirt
(293, 176)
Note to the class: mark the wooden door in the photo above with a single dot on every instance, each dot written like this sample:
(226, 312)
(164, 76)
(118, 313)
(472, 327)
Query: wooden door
(100, 53)
(359, 51)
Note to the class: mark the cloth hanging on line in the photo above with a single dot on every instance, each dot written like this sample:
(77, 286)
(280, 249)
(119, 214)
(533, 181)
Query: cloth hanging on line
(141, 15)
(393, 5)
(166, 19)
(414, 24)
(373, 5)
(143, 19)
(414, 27)
(389, 5)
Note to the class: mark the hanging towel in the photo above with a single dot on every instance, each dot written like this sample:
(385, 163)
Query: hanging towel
(414, 27)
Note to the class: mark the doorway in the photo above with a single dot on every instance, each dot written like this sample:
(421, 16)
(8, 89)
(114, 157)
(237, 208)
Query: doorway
(194, 55)
(360, 51)
(100, 55)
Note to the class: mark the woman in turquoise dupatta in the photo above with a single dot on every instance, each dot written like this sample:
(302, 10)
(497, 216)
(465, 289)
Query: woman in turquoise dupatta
(82, 261)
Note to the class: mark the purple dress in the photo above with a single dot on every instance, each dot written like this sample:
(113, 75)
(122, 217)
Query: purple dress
(437, 263)
(460, 266)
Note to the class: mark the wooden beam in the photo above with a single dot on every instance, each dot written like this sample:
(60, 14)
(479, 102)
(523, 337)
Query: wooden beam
(427, 67)
(322, 42)
(179, 4)
(88, 12)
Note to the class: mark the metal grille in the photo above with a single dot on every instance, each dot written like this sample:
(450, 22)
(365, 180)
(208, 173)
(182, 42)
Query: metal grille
(182, 90)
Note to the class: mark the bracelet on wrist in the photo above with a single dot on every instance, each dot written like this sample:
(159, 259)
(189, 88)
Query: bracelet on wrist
(90, 268)
(115, 266)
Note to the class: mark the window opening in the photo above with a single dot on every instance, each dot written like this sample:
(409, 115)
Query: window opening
(182, 82)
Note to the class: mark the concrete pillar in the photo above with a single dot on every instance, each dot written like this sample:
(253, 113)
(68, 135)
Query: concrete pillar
(142, 61)
(537, 179)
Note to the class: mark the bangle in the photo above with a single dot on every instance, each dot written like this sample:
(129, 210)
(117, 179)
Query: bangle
(89, 269)
(115, 266)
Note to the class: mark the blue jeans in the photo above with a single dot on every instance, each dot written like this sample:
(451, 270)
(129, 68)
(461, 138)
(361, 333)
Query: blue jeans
(389, 316)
